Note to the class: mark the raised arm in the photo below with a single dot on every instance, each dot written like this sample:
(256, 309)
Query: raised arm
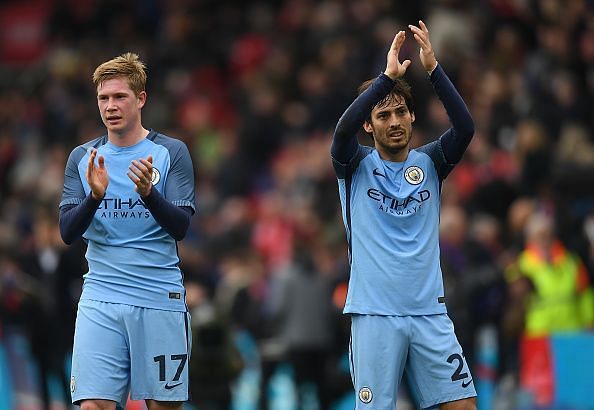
(455, 140)
(344, 143)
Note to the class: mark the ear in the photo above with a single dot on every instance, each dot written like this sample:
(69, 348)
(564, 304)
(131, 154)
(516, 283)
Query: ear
(141, 99)
(412, 117)
(367, 127)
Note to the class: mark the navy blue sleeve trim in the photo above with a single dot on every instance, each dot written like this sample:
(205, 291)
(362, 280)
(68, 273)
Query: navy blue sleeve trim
(344, 143)
(75, 219)
(455, 141)
(180, 191)
(174, 219)
(435, 152)
(342, 169)
(348, 181)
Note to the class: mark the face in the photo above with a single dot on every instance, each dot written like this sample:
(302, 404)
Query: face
(391, 127)
(119, 106)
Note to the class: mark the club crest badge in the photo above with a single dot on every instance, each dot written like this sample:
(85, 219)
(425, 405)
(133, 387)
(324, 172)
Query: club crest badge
(156, 176)
(365, 395)
(414, 175)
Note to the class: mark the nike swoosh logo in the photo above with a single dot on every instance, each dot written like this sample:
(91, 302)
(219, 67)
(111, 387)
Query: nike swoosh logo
(465, 385)
(169, 387)
(376, 172)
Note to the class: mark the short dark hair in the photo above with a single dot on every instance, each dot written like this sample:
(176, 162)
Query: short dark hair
(401, 89)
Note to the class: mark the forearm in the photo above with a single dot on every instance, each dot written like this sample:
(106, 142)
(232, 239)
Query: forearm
(344, 142)
(172, 218)
(454, 143)
(75, 219)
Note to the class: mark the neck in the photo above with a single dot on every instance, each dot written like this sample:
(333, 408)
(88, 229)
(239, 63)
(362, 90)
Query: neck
(397, 156)
(127, 138)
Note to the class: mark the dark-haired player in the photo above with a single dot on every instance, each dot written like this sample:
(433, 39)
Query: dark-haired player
(390, 197)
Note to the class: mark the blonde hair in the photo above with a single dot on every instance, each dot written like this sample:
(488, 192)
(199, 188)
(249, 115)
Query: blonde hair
(128, 66)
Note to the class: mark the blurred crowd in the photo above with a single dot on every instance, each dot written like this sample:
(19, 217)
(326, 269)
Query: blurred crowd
(255, 88)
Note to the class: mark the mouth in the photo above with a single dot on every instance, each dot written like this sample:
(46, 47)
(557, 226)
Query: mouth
(112, 119)
(396, 134)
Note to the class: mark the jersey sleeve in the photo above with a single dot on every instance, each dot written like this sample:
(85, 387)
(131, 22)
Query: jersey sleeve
(179, 189)
(342, 169)
(456, 139)
(73, 192)
(174, 219)
(75, 219)
(447, 151)
(435, 151)
(344, 142)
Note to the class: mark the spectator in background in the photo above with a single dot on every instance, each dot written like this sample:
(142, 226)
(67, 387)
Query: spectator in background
(216, 362)
(57, 270)
(549, 285)
(549, 294)
(472, 280)
(20, 296)
(308, 319)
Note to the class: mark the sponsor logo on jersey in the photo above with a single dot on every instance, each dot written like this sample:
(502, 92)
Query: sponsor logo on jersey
(72, 384)
(365, 395)
(395, 206)
(414, 175)
(155, 176)
(122, 208)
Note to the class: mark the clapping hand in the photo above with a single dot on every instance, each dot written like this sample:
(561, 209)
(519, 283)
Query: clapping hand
(394, 68)
(97, 175)
(141, 173)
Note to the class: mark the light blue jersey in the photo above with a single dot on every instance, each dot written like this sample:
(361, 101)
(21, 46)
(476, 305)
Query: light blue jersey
(391, 214)
(396, 294)
(132, 259)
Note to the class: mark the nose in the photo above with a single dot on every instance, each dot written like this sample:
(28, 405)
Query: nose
(394, 121)
(111, 105)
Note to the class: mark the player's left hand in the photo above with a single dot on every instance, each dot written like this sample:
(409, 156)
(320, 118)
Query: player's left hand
(421, 35)
(141, 173)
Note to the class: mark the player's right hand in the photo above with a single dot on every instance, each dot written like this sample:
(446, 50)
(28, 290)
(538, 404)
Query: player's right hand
(97, 175)
(394, 68)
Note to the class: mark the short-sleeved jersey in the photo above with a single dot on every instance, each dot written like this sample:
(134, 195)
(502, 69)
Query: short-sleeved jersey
(132, 259)
(391, 214)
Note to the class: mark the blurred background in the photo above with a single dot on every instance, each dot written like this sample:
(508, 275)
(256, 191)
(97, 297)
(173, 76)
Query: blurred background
(255, 88)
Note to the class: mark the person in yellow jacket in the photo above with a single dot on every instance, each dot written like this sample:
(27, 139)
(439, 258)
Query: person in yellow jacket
(550, 283)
